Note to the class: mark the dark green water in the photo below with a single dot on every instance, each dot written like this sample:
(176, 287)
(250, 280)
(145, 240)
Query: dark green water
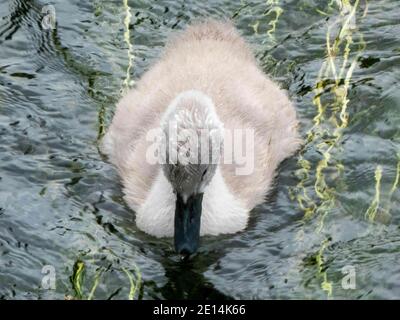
(335, 204)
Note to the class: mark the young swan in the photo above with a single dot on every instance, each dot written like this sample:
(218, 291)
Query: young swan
(189, 196)
(202, 96)
(192, 148)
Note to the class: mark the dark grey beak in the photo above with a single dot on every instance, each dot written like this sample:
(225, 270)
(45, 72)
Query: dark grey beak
(187, 224)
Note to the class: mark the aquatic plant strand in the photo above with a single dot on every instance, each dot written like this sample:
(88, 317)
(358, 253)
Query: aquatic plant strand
(338, 117)
(127, 82)
(133, 281)
(397, 178)
(127, 38)
(277, 10)
(394, 186)
(316, 132)
(96, 283)
(325, 285)
(370, 214)
(76, 278)
(326, 194)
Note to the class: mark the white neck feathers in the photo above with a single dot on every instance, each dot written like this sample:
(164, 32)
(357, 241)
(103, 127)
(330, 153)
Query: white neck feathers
(221, 211)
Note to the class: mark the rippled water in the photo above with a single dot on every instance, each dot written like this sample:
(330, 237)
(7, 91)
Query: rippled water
(335, 204)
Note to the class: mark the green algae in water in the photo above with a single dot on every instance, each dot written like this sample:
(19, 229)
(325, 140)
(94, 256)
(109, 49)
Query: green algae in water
(77, 278)
(134, 282)
(345, 93)
(78, 281)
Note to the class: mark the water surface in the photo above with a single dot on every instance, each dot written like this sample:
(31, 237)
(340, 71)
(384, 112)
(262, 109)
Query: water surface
(335, 204)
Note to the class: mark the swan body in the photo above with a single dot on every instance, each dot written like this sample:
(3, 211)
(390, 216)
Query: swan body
(207, 78)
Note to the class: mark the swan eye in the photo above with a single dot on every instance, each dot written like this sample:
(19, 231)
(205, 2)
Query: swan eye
(204, 173)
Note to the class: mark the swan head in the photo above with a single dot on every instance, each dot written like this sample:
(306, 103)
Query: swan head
(194, 140)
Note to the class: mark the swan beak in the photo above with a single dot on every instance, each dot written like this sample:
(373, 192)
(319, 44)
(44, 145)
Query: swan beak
(187, 224)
